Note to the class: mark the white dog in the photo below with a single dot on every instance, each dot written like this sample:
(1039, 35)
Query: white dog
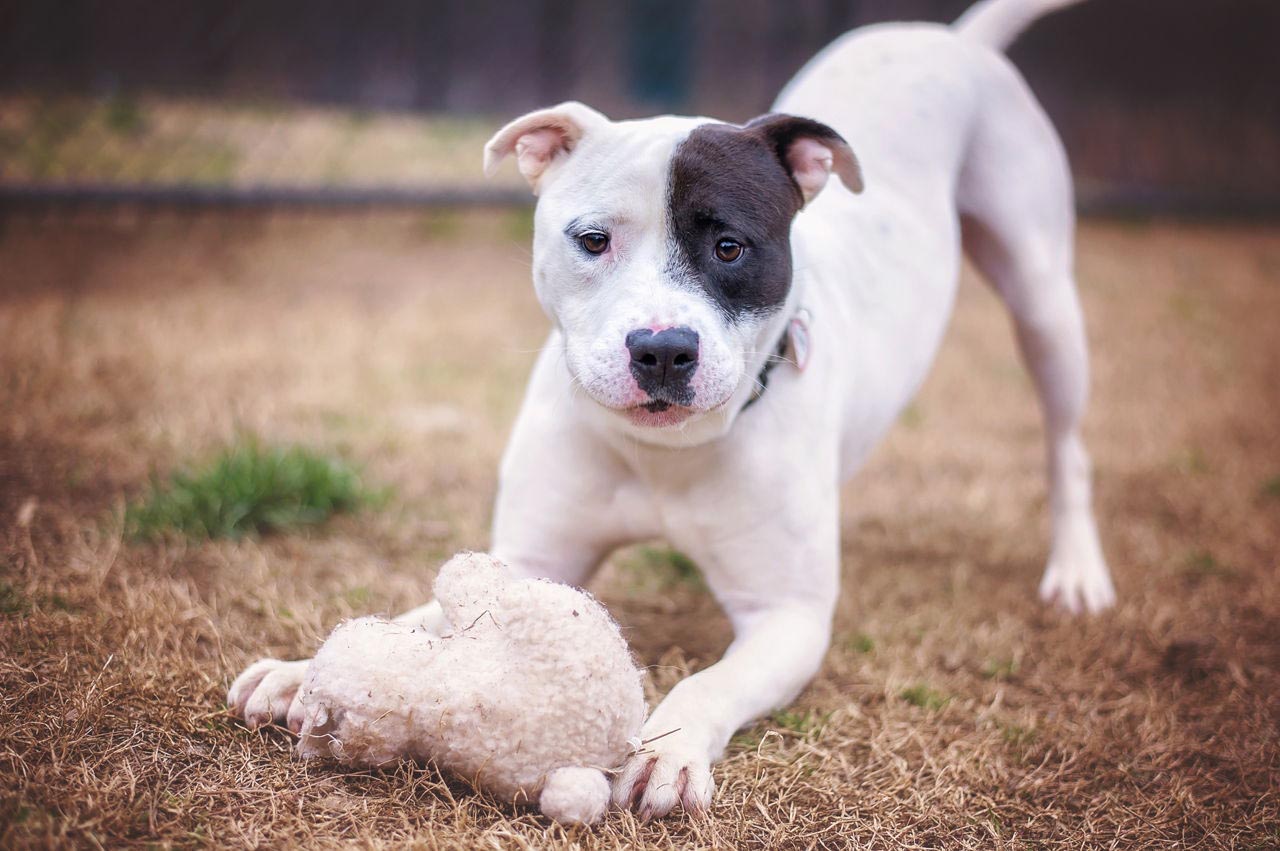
(729, 345)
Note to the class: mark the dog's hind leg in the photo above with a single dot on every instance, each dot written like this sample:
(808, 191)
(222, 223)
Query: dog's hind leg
(1018, 228)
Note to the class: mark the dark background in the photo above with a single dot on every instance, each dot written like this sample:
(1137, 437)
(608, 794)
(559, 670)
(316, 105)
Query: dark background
(1161, 102)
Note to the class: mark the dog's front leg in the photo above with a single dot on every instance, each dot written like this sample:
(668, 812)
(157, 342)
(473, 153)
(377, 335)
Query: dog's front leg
(770, 661)
(781, 609)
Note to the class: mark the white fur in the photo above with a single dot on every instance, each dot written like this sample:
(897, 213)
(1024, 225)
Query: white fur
(955, 152)
(996, 23)
(531, 694)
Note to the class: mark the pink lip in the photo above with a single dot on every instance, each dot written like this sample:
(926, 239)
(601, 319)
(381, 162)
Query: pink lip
(658, 419)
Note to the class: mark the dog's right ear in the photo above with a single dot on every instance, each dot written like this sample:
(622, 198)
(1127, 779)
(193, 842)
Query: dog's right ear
(538, 138)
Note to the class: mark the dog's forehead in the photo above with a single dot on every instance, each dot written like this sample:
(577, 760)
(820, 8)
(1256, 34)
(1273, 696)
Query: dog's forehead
(650, 143)
(626, 162)
(726, 171)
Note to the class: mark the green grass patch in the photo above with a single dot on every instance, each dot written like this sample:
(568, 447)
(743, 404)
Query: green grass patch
(124, 116)
(861, 643)
(748, 739)
(1000, 669)
(924, 697)
(217, 165)
(801, 723)
(1270, 488)
(358, 597)
(912, 416)
(1190, 461)
(59, 603)
(1204, 565)
(666, 567)
(1015, 735)
(248, 489)
(440, 224)
(12, 601)
(1186, 307)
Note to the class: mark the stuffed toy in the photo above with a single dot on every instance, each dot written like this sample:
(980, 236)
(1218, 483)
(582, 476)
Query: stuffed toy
(532, 696)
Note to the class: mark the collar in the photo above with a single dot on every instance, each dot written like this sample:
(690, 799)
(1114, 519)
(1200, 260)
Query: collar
(794, 342)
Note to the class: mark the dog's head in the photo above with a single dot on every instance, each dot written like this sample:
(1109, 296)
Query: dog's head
(662, 247)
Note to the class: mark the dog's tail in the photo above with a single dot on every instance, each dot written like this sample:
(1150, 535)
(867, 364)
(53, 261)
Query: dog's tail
(996, 23)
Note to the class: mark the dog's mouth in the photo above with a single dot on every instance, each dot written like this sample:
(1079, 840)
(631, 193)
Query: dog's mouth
(658, 414)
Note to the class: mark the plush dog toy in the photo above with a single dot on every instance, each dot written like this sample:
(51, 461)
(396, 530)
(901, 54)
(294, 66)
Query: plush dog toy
(532, 696)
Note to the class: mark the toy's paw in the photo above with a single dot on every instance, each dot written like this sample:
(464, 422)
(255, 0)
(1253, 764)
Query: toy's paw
(656, 780)
(268, 691)
(1077, 578)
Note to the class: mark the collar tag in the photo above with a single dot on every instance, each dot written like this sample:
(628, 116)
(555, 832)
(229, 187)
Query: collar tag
(798, 338)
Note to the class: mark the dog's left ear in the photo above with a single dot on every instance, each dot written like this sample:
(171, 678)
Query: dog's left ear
(809, 150)
(539, 138)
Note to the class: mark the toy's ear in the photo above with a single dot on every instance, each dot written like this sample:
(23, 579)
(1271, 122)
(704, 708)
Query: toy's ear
(809, 150)
(468, 586)
(540, 138)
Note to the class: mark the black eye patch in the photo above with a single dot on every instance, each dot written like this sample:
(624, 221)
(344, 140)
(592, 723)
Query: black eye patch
(727, 183)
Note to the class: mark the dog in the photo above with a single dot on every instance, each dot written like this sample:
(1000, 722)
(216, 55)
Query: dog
(734, 330)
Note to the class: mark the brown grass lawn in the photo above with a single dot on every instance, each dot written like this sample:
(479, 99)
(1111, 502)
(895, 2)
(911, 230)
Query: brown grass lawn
(952, 712)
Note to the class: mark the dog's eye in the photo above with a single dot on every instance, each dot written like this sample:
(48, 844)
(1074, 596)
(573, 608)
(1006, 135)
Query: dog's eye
(728, 250)
(594, 242)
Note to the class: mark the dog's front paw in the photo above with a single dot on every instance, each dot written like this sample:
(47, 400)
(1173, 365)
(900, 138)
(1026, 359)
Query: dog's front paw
(268, 691)
(660, 777)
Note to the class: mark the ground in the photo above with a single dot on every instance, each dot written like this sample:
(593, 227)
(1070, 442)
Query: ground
(162, 141)
(953, 711)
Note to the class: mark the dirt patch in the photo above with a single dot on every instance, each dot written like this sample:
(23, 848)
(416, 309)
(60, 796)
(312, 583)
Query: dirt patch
(952, 712)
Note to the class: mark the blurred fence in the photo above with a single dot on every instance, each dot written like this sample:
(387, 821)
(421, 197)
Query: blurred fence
(1163, 104)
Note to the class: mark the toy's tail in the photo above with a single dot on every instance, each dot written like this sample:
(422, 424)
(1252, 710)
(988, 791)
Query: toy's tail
(996, 23)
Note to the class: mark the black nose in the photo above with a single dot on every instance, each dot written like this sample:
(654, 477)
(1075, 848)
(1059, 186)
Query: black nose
(666, 359)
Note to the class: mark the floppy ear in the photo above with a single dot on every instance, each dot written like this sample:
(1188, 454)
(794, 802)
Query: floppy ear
(810, 151)
(539, 137)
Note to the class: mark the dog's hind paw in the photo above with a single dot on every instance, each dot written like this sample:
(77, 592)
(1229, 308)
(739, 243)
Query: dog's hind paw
(1077, 578)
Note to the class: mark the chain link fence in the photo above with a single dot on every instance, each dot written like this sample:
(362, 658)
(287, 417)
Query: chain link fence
(390, 101)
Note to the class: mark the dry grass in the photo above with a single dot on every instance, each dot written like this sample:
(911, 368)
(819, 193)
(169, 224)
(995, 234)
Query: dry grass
(952, 712)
